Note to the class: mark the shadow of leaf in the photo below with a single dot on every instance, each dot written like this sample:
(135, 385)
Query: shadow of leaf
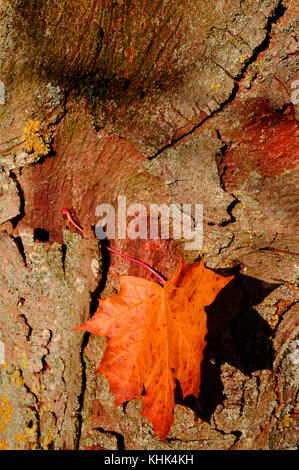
(237, 335)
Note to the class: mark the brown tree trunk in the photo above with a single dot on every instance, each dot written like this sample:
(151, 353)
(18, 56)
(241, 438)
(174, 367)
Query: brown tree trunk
(164, 102)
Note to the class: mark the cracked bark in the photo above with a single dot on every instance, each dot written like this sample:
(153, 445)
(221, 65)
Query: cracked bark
(170, 111)
(277, 13)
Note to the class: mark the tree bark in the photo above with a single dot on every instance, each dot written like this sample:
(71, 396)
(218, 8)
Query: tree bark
(182, 102)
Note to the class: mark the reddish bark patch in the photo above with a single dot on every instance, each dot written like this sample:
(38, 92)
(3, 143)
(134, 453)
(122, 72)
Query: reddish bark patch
(267, 142)
(89, 169)
(84, 172)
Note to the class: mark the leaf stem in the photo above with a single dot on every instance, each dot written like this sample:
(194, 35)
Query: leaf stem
(146, 266)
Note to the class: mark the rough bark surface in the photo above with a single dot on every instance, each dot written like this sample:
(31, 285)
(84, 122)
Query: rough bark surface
(164, 102)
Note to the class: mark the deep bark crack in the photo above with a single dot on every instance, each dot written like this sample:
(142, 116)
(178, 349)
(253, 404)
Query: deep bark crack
(119, 437)
(276, 15)
(82, 393)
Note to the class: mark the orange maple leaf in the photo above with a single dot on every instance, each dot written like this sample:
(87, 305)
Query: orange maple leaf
(154, 335)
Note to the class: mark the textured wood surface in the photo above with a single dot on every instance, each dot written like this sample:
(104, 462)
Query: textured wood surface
(164, 102)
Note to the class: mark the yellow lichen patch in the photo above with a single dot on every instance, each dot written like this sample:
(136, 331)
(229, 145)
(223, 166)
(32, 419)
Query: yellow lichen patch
(36, 142)
(215, 86)
(271, 394)
(204, 250)
(274, 320)
(49, 439)
(5, 365)
(5, 413)
(3, 445)
(23, 360)
(17, 379)
(21, 439)
(32, 430)
(242, 59)
(37, 390)
(285, 422)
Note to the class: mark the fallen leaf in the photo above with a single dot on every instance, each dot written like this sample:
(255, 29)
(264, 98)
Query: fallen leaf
(156, 335)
